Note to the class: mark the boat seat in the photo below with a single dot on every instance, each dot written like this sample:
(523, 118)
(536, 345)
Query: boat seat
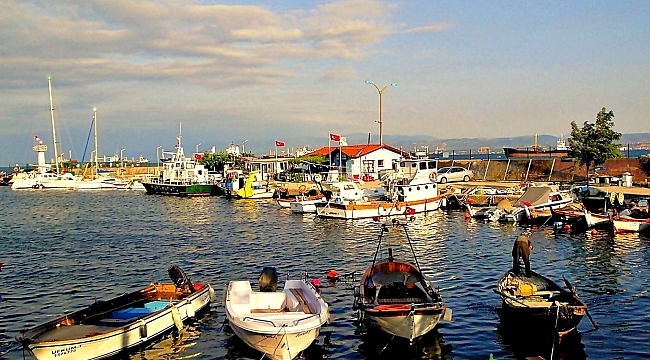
(404, 300)
(266, 311)
(300, 296)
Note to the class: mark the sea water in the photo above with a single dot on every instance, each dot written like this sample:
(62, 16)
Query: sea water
(62, 250)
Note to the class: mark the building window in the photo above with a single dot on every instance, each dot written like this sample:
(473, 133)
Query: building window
(369, 166)
(380, 163)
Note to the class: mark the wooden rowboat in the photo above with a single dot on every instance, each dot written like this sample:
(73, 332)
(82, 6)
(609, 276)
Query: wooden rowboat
(107, 328)
(539, 303)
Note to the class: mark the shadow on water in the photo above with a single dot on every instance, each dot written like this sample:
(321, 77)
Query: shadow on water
(376, 344)
(525, 341)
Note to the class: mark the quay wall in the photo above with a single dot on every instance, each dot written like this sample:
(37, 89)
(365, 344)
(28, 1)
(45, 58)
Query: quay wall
(553, 170)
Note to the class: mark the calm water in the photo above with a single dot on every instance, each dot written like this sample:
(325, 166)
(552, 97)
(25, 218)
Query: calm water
(63, 250)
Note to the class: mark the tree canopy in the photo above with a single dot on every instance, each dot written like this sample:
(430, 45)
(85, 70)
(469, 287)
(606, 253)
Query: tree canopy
(644, 162)
(595, 143)
(215, 161)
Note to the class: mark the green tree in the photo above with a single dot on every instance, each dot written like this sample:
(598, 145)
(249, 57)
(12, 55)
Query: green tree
(594, 143)
(214, 161)
(644, 162)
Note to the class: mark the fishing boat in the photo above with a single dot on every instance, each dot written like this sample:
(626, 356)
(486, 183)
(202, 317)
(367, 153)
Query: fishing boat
(395, 297)
(561, 150)
(254, 187)
(411, 189)
(107, 328)
(629, 224)
(182, 176)
(280, 324)
(539, 303)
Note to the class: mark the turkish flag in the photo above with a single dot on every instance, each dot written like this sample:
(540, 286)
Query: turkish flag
(335, 137)
(279, 143)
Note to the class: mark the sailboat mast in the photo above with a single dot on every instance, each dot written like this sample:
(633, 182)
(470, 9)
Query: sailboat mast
(56, 149)
(96, 147)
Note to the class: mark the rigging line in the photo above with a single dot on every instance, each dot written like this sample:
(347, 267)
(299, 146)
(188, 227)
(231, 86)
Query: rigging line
(385, 346)
(411, 245)
(65, 126)
(383, 227)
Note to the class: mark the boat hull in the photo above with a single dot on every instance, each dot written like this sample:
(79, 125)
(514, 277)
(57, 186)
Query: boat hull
(410, 324)
(282, 346)
(187, 190)
(624, 225)
(370, 209)
(103, 340)
(532, 153)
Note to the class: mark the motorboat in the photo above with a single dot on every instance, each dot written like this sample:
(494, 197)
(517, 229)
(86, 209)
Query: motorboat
(280, 324)
(395, 297)
(108, 328)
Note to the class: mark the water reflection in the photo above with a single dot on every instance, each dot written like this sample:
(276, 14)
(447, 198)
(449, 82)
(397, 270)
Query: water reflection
(524, 341)
(379, 345)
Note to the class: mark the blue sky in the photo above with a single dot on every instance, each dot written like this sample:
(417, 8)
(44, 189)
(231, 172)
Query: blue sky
(264, 70)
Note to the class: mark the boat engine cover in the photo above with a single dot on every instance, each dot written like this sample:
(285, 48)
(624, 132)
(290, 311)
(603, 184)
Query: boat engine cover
(179, 278)
(268, 279)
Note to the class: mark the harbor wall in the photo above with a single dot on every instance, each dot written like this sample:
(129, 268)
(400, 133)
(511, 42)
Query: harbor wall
(552, 170)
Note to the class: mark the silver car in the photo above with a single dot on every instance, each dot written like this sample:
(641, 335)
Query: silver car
(454, 173)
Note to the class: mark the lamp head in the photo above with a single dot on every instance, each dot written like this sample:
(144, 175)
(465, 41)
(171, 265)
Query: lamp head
(393, 84)
(368, 81)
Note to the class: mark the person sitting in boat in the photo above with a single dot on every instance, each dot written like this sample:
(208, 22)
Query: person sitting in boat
(521, 249)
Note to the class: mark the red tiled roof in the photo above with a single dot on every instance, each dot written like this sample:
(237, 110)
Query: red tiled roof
(355, 151)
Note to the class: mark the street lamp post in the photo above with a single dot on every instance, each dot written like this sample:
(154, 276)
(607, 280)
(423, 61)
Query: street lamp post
(243, 149)
(121, 158)
(197, 147)
(381, 123)
(158, 158)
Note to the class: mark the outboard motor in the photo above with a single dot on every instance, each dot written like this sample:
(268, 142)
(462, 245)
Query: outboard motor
(179, 278)
(268, 279)
(328, 194)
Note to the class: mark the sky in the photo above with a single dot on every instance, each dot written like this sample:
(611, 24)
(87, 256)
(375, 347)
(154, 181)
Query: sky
(260, 70)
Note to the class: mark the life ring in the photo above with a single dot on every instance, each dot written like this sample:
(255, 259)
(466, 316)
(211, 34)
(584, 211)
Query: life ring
(433, 176)
(391, 307)
(282, 190)
(302, 189)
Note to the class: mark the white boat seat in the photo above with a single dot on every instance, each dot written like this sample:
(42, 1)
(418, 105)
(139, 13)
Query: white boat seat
(266, 311)
(300, 296)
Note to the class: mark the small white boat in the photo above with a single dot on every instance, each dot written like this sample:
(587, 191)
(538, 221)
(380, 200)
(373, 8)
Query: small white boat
(628, 224)
(307, 204)
(280, 324)
(397, 298)
(107, 328)
(100, 183)
(252, 188)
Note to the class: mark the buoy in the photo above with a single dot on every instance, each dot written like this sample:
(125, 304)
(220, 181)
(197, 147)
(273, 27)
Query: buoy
(315, 282)
(1, 266)
(332, 275)
(594, 231)
(567, 227)
(467, 215)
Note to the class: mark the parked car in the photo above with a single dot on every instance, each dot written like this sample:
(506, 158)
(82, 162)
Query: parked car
(454, 173)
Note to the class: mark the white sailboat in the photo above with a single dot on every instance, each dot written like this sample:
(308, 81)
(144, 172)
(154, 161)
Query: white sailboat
(98, 182)
(43, 177)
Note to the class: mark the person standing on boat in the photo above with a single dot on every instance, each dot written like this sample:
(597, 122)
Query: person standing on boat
(521, 249)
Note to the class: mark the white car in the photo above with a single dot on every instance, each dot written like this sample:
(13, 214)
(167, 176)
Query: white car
(454, 173)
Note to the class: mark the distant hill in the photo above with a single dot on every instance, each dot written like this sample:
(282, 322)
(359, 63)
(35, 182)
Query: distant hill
(411, 142)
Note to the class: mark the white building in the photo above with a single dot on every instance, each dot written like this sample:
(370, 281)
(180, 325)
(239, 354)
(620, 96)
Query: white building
(362, 161)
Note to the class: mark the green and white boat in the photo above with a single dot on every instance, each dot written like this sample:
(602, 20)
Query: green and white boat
(183, 176)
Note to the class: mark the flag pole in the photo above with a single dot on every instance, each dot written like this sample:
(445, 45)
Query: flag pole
(275, 167)
(329, 151)
(340, 157)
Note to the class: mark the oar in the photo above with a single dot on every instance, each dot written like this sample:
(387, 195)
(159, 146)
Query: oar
(575, 295)
(509, 297)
